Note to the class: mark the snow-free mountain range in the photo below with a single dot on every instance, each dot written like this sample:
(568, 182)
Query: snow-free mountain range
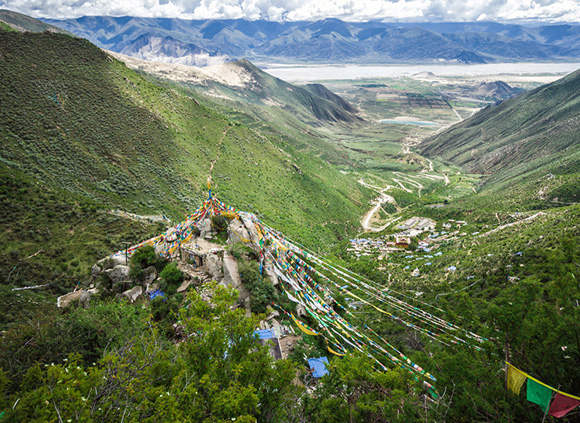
(203, 42)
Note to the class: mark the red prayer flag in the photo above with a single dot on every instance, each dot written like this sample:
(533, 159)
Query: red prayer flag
(562, 405)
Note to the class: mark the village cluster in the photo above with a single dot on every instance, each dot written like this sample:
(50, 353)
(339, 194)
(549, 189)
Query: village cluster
(400, 242)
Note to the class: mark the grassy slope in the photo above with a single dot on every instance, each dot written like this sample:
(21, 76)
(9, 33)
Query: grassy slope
(22, 22)
(521, 141)
(263, 89)
(50, 236)
(278, 124)
(487, 291)
(95, 135)
(5, 27)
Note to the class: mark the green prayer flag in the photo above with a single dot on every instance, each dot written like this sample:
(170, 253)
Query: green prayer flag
(539, 394)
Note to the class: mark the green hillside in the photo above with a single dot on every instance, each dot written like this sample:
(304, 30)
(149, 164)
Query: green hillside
(77, 122)
(530, 141)
(310, 118)
(513, 281)
(314, 106)
(10, 20)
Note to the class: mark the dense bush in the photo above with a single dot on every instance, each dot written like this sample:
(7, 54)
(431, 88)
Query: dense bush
(242, 252)
(49, 338)
(354, 392)
(262, 291)
(143, 258)
(171, 278)
(220, 373)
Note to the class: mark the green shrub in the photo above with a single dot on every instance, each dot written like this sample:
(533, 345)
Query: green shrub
(159, 308)
(90, 332)
(171, 278)
(262, 295)
(172, 274)
(242, 252)
(143, 258)
(261, 290)
(249, 272)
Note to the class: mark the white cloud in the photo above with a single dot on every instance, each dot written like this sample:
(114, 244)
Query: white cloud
(563, 10)
(351, 10)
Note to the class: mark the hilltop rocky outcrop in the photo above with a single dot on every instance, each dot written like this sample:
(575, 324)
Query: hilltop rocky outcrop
(201, 260)
(496, 89)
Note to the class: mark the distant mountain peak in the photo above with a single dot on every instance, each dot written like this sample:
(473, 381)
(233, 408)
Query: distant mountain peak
(169, 50)
(349, 42)
(496, 89)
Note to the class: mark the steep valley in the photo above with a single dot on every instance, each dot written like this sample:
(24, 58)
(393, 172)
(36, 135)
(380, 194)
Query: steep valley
(218, 237)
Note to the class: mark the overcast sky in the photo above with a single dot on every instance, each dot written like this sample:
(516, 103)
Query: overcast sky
(350, 10)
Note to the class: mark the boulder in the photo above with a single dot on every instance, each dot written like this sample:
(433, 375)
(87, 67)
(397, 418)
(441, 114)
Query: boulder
(68, 299)
(300, 310)
(171, 235)
(183, 287)
(274, 313)
(231, 272)
(149, 275)
(232, 276)
(110, 262)
(271, 274)
(133, 293)
(95, 271)
(213, 265)
(237, 232)
(206, 229)
(253, 233)
(85, 298)
(118, 274)
(160, 249)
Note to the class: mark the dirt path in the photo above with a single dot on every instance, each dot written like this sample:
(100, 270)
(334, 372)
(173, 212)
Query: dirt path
(370, 214)
(213, 162)
(381, 199)
(408, 142)
(507, 225)
(444, 178)
(408, 180)
(137, 217)
(374, 187)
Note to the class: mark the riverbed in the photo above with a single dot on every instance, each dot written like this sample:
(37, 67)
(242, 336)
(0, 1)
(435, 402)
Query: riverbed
(302, 73)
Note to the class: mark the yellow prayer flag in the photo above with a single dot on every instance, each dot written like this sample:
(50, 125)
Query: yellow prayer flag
(303, 327)
(229, 215)
(515, 379)
(334, 352)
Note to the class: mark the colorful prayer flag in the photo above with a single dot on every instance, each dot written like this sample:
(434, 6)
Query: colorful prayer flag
(539, 394)
(515, 379)
(562, 405)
